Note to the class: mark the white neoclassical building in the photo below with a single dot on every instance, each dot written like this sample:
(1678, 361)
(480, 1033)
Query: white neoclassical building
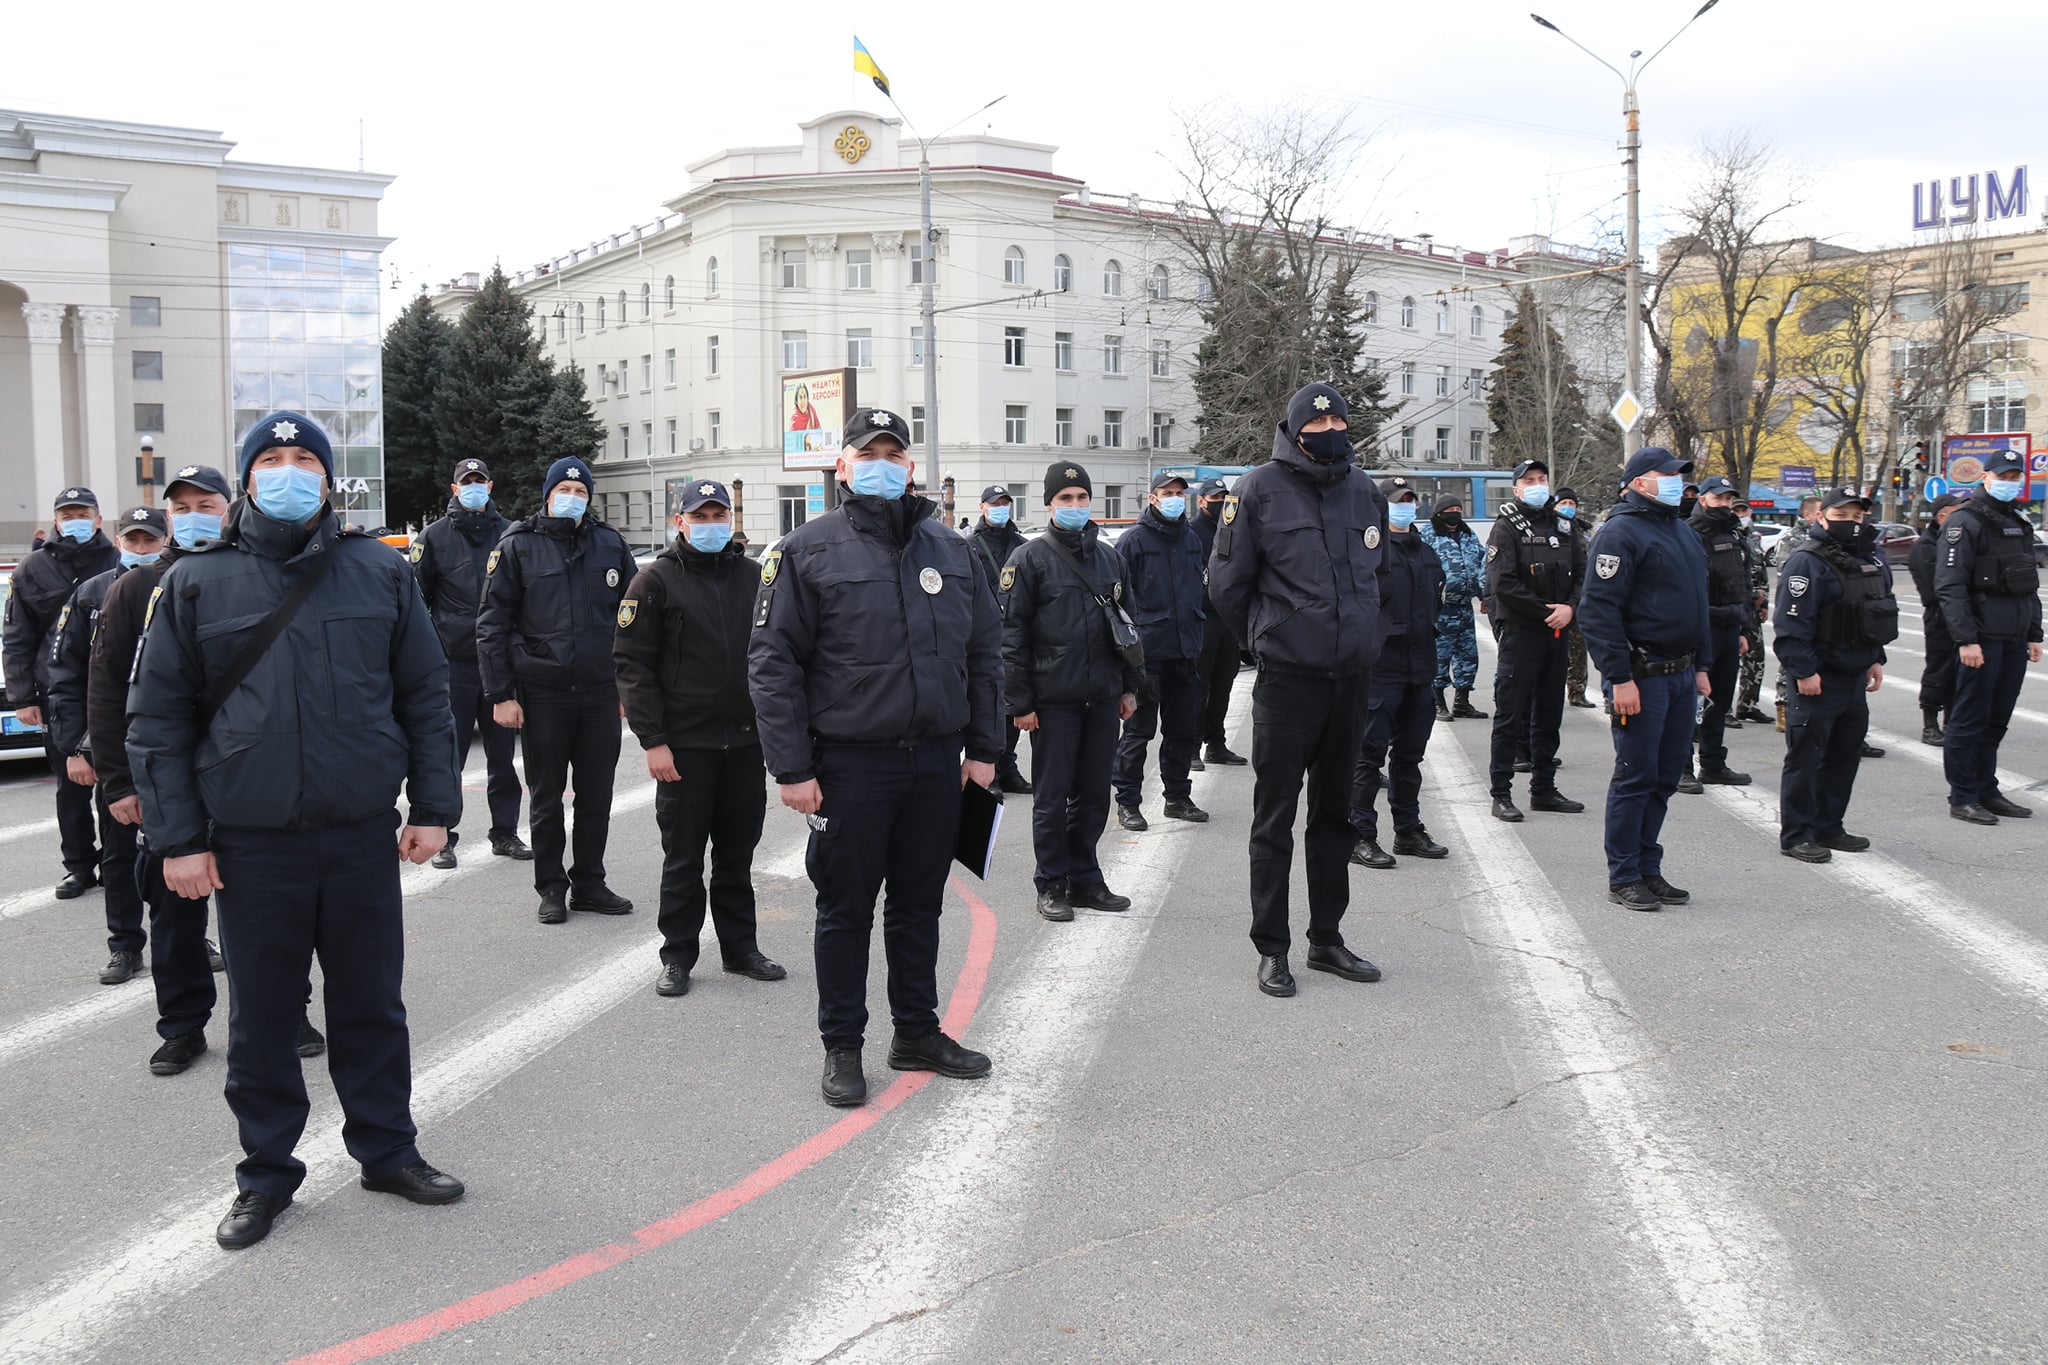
(1067, 326)
(152, 290)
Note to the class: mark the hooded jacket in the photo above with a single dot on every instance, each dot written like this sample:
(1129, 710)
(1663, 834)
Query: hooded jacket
(115, 638)
(1164, 592)
(1411, 595)
(1056, 644)
(450, 556)
(681, 648)
(42, 585)
(551, 601)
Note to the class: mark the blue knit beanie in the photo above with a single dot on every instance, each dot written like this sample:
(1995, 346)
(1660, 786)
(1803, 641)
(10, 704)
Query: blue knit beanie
(284, 428)
(568, 467)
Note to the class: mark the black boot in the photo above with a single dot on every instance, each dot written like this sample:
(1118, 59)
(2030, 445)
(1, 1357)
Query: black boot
(1462, 707)
(1443, 712)
(1930, 726)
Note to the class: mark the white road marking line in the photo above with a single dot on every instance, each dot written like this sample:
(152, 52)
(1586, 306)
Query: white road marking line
(173, 1249)
(1724, 1264)
(27, 902)
(53, 1025)
(2015, 961)
(945, 1207)
(28, 831)
(789, 865)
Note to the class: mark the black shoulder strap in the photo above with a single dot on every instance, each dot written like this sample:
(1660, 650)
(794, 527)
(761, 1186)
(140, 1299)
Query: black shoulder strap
(263, 638)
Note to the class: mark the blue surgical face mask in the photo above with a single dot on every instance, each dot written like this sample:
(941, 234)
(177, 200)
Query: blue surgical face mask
(130, 559)
(709, 536)
(878, 479)
(2005, 490)
(288, 493)
(1173, 508)
(568, 506)
(79, 528)
(1072, 518)
(998, 515)
(1534, 494)
(189, 528)
(1671, 489)
(475, 496)
(1567, 510)
(1401, 515)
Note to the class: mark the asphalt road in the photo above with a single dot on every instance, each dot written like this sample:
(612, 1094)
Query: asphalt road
(1800, 1119)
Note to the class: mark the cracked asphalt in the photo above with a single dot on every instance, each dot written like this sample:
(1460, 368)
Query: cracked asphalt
(1819, 1132)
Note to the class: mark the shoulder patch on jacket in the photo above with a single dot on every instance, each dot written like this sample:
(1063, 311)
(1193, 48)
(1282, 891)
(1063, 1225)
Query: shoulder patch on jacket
(1009, 577)
(1955, 533)
(149, 612)
(1493, 550)
(1798, 584)
(771, 566)
(1230, 509)
(62, 617)
(1607, 566)
(417, 552)
(491, 564)
(628, 608)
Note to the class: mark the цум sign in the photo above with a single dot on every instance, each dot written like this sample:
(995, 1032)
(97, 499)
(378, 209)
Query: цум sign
(1971, 199)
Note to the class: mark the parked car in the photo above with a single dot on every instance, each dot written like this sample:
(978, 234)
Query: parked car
(1896, 539)
(16, 739)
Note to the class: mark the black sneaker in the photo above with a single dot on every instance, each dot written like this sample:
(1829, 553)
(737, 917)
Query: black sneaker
(1555, 801)
(1416, 843)
(1182, 808)
(936, 1052)
(1219, 752)
(1131, 818)
(1341, 961)
(1846, 843)
(1368, 853)
(1635, 896)
(1506, 810)
(213, 958)
(419, 1182)
(311, 1041)
(844, 1085)
(445, 859)
(511, 846)
(249, 1219)
(600, 900)
(122, 966)
(177, 1053)
(1665, 892)
(1808, 852)
(554, 908)
(1097, 897)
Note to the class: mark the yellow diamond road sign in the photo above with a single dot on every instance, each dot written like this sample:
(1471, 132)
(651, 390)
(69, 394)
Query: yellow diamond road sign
(1627, 411)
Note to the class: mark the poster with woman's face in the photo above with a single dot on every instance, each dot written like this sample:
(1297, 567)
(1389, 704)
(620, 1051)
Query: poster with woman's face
(814, 408)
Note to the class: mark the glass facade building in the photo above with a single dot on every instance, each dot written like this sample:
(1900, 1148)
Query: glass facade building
(303, 333)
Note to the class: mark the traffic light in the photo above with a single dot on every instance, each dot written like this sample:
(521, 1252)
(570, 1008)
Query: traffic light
(1920, 455)
(1898, 479)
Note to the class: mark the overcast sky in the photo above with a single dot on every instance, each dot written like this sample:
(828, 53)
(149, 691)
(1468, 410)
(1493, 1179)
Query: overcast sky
(517, 133)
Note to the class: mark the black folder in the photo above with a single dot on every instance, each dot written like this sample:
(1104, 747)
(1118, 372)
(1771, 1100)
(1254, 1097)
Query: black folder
(981, 815)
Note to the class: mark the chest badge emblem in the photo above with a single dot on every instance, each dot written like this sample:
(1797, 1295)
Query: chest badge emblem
(611, 578)
(929, 580)
(1372, 537)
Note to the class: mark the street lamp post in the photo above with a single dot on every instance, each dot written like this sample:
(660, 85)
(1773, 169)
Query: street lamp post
(1631, 439)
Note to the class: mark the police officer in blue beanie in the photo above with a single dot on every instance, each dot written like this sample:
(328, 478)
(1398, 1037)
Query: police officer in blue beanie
(544, 646)
(1293, 572)
(1644, 613)
(289, 683)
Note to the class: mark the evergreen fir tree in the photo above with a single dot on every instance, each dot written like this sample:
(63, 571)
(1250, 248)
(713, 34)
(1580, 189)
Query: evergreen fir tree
(1537, 403)
(415, 467)
(1337, 358)
(494, 401)
(1252, 359)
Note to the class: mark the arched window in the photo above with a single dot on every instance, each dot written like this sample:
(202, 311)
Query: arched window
(1113, 278)
(600, 312)
(1408, 310)
(561, 326)
(711, 277)
(1372, 305)
(646, 300)
(1013, 265)
(579, 317)
(622, 308)
(1159, 282)
(1478, 321)
(668, 292)
(1443, 315)
(1062, 274)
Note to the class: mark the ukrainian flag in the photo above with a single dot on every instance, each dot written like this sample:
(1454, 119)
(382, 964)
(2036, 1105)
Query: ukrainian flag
(865, 64)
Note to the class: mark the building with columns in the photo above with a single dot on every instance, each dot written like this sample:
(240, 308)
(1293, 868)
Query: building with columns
(153, 290)
(1067, 324)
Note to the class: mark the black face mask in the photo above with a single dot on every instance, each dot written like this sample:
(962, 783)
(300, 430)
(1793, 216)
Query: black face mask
(1686, 506)
(1859, 536)
(1326, 447)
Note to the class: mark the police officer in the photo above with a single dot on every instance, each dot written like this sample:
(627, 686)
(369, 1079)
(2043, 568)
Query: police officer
(139, 536)
(1533, 575)
(42, 585)
(1835, 616)
(1809, 515)
(876, 656)
(1400, 713)
(1457, 644)
(1217, 666)
(1938, 671)
(182, 961)
(1644, 611)
(1989, 591)
(1750, 681)
(1295, 575)
(289, 683)
(1067, 682)
(1575, 674)
(1163, 571)
(682, 655)
(544, 648)
(449, 556)
(1729, 610)
(997, 536)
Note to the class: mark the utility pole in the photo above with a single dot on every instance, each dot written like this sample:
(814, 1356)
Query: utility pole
(930, 311)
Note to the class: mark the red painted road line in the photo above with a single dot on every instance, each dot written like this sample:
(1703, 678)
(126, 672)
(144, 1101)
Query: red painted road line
(966, 998)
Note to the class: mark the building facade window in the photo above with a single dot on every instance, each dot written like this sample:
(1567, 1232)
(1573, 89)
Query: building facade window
(646, 373)
(796, 350)
(668, 367)
(647, 438)
(1013, 265)
(1113, 278)
(917, 345)
(149, 419)
(1475, 446)
(646, 300)
(1443, 315)
(1443, 381)
(1408, 378)
(146, 364)
(668, 292)
(860, 268)
(1475, 381)
(1998, 404)
(1112, 355)
(711, 278)
(714, 429)
(1063, 350)
(622, 308)
(579, 319)
(625, 441)
(1162, 360)
(1441, 449)
(917, 424)
(1162, 430)
(1160, 287)
(711, 356)
(1113, 428)
(671, 435)
(1478, 320)
(1408, 311)
(600, 313)
(561, 326)
(1371, 311)
(145, 310)
(1013, 347)
(1112, 500)
(918, 262)
(1063, 274)
(793, 268)
(1014, 424)
(1062, 426)
(793, 501)
(1407, 445)
(860, 347)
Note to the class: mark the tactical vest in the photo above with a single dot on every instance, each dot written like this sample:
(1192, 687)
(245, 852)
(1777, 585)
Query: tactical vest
(1727, 565)
(1866, 615)
(2005, 568)
(1546, 556)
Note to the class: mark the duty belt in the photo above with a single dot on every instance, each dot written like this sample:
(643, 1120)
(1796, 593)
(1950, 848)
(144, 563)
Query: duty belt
(1647, 667)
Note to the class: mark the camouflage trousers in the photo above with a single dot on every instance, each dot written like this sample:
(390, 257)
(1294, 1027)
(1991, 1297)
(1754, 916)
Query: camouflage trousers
(1457, 649)
(1752, 684)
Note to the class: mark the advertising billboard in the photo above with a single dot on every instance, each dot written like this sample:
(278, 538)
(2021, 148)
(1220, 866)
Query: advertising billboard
(1962, 457)
(815, 406)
